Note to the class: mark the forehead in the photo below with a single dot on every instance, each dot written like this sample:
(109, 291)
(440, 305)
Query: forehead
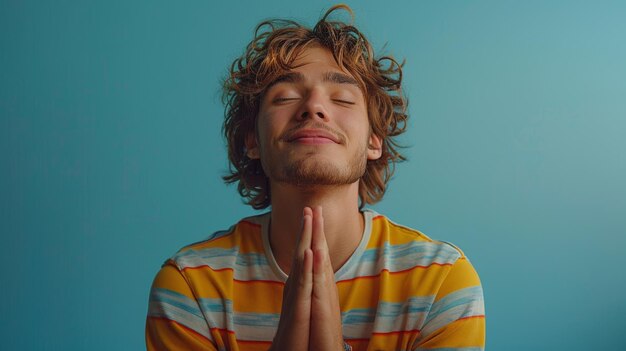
(315, 56)
(315, 63)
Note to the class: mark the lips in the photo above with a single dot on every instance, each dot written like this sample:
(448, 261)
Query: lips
(313, 136)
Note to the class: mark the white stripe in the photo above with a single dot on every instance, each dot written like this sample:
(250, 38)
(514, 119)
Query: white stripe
(246, 267)
(467, 302)
(180, 316)
(387, 317)
(397, 258)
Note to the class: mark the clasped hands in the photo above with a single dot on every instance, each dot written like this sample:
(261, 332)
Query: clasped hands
(310, 317)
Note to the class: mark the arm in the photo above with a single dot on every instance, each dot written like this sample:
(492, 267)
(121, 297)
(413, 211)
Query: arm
(456, 320)
(175, 321)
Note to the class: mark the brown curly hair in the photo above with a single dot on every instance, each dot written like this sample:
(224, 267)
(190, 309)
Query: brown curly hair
(277, 43)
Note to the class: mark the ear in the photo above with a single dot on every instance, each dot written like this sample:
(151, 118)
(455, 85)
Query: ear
(375, 147)
(252, 147)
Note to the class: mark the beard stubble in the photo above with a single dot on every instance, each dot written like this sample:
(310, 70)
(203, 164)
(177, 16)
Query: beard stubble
(309, 172)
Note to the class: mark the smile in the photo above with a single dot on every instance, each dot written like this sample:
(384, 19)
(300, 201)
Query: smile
(313, 136)
(313, 140)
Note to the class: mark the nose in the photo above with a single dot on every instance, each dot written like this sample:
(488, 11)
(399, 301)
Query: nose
(313, 107)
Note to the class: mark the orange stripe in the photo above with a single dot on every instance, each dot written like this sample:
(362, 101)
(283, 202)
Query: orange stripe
(394, 272)
(209, 267)
(357, 340)
(412, 331)
(470, 317)
(223, 330)
(182, 326)
(240, 340)
(232, 270)
(258, 281)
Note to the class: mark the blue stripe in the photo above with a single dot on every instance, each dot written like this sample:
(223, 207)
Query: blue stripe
(389, 310)
(242, 260)
(165, 303)
(239, 318)
(421, 253)
(207, 253)
(358, 316)
(468, 296)
(217, 305)
(172, 298)
(257, 319)
(252, 259)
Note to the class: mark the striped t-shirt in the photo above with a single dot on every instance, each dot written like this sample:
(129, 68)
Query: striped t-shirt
(400, 290)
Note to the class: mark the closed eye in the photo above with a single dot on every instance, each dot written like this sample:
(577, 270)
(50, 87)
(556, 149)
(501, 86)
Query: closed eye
(344, 101)
(283, 100)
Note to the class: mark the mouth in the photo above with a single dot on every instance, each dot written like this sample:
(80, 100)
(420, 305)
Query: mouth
(312, 136)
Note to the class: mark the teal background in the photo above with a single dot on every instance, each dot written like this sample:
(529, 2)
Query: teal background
(111, 156)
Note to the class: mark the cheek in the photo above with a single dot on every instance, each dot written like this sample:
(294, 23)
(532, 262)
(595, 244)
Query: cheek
(269, 129)
(358, 123)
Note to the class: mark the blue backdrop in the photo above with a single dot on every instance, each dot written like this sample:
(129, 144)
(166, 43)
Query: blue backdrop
(111, 156)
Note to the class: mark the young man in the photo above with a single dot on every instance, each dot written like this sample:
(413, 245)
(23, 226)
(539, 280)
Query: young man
(310, 121)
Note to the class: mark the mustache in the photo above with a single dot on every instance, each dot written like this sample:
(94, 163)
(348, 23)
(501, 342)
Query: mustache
(288, 135)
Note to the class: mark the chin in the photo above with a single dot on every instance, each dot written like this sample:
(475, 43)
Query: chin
(312, 171)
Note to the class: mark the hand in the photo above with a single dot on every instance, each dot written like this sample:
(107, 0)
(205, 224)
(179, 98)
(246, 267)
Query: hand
(326, 333)
(294, 324)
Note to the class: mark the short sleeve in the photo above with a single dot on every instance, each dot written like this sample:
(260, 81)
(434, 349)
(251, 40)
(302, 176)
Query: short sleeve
(456, 320)
(175, 321)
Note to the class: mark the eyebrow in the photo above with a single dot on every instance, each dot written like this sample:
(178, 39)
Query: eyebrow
(339, 78)
(328, 77)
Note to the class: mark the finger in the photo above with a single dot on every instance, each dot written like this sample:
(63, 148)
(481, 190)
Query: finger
(304, 289)
(296, 307)
(319, 243)
(318, 239)
(303, 272)
(321, 261)
(319, 273)
(326, 331)
(298, 298)
(304, 241)
(306, 275)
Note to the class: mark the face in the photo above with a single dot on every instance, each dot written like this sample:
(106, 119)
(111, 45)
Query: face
(312, 125)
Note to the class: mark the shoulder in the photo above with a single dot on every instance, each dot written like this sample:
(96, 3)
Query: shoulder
(453, 283)
(408, 248)
(399, 241)
(243, 236)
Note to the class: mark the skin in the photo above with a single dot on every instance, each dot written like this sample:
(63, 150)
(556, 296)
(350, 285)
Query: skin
(315, 225)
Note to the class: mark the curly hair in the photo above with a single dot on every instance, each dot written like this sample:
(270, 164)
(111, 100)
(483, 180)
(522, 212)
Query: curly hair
(276, 45)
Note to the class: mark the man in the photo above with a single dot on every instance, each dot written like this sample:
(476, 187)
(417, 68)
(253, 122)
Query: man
(310, 121)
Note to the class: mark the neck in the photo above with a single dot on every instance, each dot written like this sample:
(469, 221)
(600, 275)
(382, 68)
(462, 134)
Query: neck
(343, 222)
